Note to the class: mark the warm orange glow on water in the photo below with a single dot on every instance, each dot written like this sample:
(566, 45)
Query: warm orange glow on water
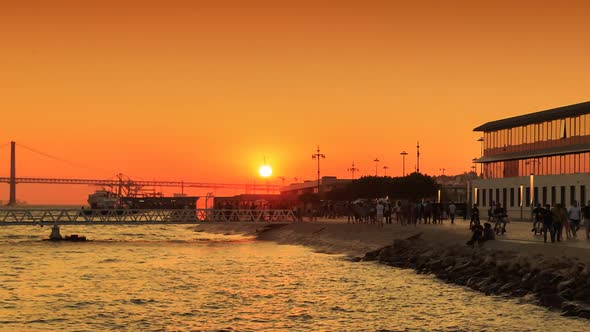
(153, 278)
(202, 90)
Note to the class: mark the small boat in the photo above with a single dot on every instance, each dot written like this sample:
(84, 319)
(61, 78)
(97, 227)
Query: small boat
(68, 238)
(74, 238)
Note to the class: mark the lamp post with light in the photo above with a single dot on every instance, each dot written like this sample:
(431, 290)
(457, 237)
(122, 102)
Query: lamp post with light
(481, 140)
(532, 194)
(318, 156)
(376, 165)
(403, 154)
(418, 157)
(352, 170)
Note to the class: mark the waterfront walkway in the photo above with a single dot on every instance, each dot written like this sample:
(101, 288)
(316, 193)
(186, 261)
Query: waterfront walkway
(518, 237)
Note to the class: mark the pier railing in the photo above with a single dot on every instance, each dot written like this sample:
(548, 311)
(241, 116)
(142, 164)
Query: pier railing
(14, 217)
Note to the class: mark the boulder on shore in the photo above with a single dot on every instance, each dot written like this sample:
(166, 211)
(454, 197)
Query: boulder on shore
(557, 283)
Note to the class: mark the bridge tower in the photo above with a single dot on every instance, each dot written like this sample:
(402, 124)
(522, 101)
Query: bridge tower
(12, 199)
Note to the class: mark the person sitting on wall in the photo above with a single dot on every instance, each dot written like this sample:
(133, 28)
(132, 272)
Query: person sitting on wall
(481, 234)
(476, 236)
(488, 232)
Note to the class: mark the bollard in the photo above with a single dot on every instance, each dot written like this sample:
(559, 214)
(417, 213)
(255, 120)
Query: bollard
(55, 235)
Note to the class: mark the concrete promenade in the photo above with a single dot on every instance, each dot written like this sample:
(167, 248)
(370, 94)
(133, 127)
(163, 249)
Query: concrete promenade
(517, 238)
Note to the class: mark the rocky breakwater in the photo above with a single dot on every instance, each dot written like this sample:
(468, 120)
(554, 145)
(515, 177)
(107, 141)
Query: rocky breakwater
(558, 283)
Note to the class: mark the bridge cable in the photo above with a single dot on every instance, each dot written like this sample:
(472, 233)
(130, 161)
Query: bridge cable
(62, 160)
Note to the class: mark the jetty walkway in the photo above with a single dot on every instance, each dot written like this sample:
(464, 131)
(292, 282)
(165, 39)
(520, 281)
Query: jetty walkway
(48, 216)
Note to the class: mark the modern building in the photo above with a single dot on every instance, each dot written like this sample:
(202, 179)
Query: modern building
(541, 157)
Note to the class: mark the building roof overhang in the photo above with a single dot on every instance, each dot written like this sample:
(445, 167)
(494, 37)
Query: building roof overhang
(555, 151)
(537, 117)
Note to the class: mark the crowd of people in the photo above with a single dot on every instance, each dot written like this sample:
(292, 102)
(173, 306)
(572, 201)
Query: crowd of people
(496, 214)
(556, 220)
(550, 221)
(401, 212)
(554, 223)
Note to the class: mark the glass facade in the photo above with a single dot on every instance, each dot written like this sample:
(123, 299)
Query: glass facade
(551, 165)
(534, 137)
(550, 147)
(555, 133)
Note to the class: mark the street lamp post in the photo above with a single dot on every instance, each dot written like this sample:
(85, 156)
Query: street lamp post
(385, 170)
(403, 154)
(442, 170)
(352, 170)
(481, 140)
(318, 156)
(418, 157)
(376, 165)
(532, 193)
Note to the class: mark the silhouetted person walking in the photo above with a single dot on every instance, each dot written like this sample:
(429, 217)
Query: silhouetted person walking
(548, 223)
(452, 210)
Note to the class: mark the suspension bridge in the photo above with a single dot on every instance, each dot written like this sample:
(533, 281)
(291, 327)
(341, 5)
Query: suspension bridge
(15, 216)
(122, 185)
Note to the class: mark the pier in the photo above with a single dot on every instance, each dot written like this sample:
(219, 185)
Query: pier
(87, 217)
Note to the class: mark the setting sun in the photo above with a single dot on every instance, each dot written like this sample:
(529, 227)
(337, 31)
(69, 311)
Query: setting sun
(265, 171)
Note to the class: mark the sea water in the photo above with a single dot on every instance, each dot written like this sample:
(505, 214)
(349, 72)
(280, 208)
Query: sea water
(174, 278)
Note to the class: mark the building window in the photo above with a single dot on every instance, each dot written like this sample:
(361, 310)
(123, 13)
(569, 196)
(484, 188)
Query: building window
(483, 198)
(491, 192)
(562, 196)
(544, 196)
(511, 197)
(572, 195)
(527, 196)
(497, 195)
(504, 198)
(536, 196)
(553, 196)
(582, 195)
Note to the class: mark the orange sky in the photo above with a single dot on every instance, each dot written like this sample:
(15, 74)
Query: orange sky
(204, 90)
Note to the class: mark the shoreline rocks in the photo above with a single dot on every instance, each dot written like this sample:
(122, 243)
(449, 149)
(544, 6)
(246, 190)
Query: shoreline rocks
(558, 283)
